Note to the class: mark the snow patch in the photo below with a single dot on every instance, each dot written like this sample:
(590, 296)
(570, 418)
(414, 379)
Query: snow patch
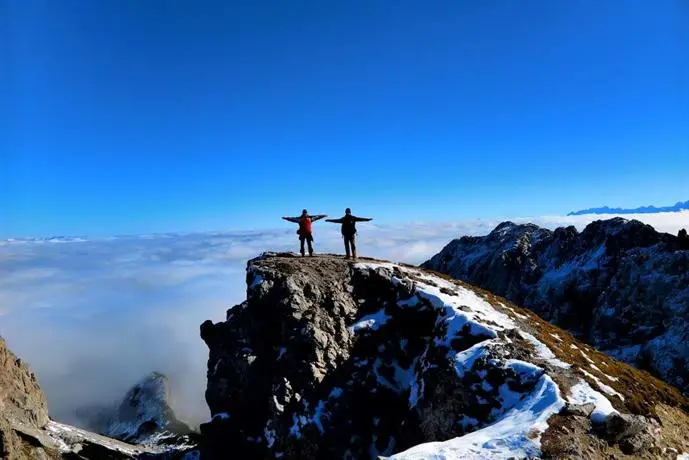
(612, 379)
(403, 378)
(69, 439)
(509, 437)
(371, 322)
(282, 352)
(582, 393)
(603, 386)
(257, 281)
(518, 315)
(465, 360)
(543, 352)
(586, 357)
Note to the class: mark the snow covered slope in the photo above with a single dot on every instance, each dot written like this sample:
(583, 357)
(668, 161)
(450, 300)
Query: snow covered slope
(618, 285)
(333, 359)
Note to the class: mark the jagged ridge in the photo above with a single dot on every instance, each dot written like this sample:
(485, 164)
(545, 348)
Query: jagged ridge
(619, 285)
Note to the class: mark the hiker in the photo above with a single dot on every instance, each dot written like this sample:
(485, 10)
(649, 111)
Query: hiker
(304, 231)
(348, 222)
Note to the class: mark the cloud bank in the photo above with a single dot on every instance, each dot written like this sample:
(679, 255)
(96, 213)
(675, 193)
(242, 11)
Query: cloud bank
(94, 316)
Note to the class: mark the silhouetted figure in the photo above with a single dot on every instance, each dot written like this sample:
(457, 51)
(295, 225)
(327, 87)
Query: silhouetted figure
(682, 240)
(348, 222)
(304, 231)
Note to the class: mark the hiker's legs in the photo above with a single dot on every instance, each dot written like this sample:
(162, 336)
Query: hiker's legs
(346, 243)
(309, 240)
(301, 247)
(350, 246)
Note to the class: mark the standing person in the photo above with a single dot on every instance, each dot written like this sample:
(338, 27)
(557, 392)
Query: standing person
(348, 222)
(304, 231)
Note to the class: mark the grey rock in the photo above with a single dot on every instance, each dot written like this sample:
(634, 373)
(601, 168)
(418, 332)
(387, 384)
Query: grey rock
(145, 414)
(618, 426)
(21, 398)
(581, 410)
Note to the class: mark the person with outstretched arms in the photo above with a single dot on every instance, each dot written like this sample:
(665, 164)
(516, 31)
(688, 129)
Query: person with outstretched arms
(348, 222)
(305, 233)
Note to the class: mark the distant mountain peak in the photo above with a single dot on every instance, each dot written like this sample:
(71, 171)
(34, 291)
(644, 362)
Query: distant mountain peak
(679, 206)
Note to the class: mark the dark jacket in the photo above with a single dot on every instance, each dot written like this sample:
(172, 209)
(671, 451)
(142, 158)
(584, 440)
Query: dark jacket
(348, 222)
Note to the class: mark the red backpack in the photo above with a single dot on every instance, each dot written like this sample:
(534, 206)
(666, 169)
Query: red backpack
(305, 224)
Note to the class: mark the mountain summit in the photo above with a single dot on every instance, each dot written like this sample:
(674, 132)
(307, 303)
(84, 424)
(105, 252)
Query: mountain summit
(335, 359)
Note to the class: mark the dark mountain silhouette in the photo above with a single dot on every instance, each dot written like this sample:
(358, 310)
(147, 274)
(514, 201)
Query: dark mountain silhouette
(679, 206)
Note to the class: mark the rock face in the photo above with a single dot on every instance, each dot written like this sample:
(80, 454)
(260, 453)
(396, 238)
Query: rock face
(22, 405)
(27, 432)
(618, 285)
(334, 359)
(145, 415)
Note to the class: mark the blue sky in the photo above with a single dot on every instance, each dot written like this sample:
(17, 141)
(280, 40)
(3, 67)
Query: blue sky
(139, 116)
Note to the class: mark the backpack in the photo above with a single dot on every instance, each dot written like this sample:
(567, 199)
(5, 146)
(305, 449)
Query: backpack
(348, 226)
(305, 225)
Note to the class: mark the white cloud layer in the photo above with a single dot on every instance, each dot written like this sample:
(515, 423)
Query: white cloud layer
(93, 316)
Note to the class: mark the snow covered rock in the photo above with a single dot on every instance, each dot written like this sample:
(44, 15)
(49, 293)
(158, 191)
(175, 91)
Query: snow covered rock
(618, 285)
(329, 358)
(145, 415)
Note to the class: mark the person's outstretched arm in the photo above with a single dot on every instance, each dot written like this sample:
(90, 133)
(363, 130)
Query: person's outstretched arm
(362, 219)
(335, 221)
(318, 217)
(292, 219)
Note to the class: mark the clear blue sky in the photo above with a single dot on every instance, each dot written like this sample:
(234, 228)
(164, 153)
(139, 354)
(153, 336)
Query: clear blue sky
(126, 116)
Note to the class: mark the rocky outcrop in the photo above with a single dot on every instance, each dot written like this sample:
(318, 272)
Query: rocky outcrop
(618, 285)
(329, 358)
(27, 432)
(23, 407)
(144, 416)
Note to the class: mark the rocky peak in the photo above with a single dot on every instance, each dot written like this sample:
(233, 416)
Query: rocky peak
(618, 284)
(329, 358)
(622, 234)
(145, 415)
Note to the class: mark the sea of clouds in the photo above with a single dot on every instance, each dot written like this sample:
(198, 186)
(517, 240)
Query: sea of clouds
(93, 316)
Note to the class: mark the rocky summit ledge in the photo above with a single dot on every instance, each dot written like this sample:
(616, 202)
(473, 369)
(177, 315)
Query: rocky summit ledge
(334, 358)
